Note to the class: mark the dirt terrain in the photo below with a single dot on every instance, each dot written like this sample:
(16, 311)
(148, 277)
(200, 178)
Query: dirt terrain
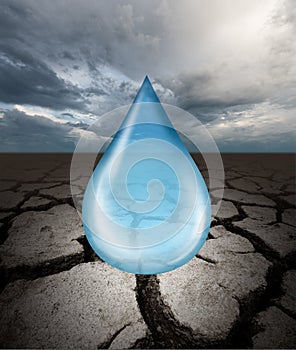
(238, 292)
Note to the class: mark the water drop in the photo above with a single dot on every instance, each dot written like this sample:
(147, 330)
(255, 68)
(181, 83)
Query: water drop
(146, 208)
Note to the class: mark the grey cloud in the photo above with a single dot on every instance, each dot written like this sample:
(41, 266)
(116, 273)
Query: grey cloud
(202, 91)
(13, 20)
(20, 132)
(95, 32)
(68, 55)
(68, 114)
(94, 91)
(26, 80)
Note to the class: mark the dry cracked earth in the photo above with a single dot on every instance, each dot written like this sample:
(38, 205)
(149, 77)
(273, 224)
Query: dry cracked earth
(238, 292)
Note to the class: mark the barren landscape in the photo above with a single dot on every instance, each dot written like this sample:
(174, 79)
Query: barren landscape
(238, 292)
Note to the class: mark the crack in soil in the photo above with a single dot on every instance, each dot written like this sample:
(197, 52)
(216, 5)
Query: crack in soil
(108, 342)
(89, 254)
(208, 260)
(43, 269)
(166, 331)
(259, 245)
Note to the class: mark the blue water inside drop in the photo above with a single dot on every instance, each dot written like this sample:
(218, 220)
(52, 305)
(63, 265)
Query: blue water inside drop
(146, 208)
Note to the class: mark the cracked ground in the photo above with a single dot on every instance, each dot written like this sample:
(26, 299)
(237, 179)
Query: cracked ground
(238, 292)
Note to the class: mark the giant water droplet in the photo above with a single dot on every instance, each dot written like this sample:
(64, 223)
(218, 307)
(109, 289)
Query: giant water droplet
(146, 208)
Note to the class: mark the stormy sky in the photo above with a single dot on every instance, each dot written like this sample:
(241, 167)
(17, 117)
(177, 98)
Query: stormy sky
(231, 63)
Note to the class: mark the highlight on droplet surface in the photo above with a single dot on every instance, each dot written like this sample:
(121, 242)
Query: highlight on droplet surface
(146, 208)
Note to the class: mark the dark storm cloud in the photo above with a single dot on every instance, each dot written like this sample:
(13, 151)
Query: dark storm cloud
(203, 91)
(26, 80)
(91, 31)
(20, 132)
(94, 91)
(12, 20)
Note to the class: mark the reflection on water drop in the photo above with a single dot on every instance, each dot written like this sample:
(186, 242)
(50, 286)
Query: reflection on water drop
(146, 208)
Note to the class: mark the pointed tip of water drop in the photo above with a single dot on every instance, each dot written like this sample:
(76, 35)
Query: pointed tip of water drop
(146, 93)
(142, 112)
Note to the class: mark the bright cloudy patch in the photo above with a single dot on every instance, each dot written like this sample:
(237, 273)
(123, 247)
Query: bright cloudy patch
(262, 128)
(230, 63)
